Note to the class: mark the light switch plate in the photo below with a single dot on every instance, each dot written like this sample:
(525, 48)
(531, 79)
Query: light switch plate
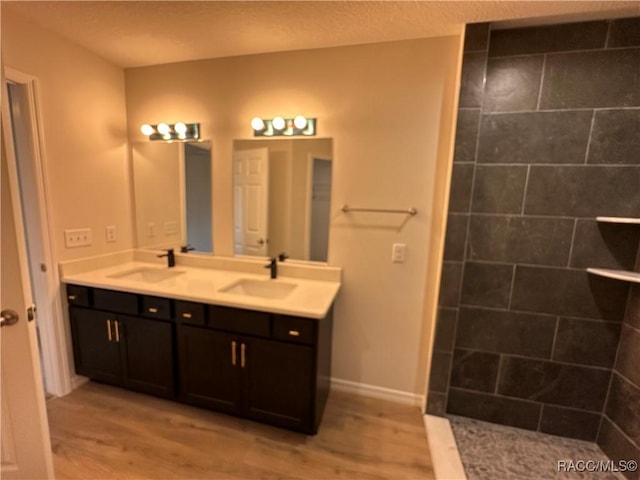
(78, 237)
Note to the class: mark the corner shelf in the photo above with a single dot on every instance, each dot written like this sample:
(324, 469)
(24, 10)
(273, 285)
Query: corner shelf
(624, 275)
(632, 221)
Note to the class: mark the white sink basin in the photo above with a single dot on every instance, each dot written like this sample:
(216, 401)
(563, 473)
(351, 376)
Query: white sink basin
(260, 288)
(147, 274)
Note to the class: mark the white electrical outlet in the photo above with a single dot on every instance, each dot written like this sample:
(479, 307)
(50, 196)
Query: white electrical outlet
(78, 237)
(170, 228)
(398, 252)
(111, 233)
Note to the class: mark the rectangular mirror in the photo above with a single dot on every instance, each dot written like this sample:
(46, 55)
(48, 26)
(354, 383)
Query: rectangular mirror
(282, 197)
(172, 195)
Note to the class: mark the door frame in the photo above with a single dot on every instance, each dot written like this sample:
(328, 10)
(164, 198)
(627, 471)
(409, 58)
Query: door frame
(54, 332)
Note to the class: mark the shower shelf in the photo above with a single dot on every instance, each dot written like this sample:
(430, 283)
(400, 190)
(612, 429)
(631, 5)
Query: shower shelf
(624, 275)
(633, 221)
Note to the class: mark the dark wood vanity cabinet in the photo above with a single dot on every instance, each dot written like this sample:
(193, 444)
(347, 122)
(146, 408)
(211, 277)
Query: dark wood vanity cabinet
(271, 368)
(123, 350)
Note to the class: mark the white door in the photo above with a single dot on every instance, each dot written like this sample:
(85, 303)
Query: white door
(251, 205)
(25, 450)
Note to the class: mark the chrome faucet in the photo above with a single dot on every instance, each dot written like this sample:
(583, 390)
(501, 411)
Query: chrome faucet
(171, 258)
(273, 266)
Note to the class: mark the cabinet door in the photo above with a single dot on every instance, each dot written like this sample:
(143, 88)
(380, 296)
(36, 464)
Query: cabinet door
(95, 348)
(278, 383)
(210, 369)
(147, 348)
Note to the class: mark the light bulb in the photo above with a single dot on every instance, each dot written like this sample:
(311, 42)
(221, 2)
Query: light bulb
(278, 123)
(257, 124)
(147, 129)
(180, 128)
(300, 122)
(167, 136)
(163, 128)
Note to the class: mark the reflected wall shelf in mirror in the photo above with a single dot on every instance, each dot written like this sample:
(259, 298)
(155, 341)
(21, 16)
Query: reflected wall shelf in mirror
(624, 275)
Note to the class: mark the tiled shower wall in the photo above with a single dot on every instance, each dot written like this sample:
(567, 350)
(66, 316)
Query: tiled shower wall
(548, 138)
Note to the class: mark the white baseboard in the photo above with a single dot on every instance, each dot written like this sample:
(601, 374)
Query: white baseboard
(445, 457)
(78, 381)
(366, 390)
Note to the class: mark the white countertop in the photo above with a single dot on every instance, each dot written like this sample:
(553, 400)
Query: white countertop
(310, 298)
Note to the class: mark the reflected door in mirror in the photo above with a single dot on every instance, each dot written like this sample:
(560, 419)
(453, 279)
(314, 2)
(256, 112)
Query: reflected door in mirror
(251, 193)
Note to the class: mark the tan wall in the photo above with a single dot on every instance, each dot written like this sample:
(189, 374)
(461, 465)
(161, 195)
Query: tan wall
(157, 172)
(82, 106)
(382, 105)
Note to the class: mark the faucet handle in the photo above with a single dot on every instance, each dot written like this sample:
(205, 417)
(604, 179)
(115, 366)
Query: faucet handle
(186, 248)
(283, 256)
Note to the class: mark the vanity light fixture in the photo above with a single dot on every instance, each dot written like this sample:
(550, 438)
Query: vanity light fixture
(279, 126)
(166, 131)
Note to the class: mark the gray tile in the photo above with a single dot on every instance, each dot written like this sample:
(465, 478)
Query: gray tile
(507, 411)
(535, 137)
(632, 315)
(570, 423)
(617, 446)
(616, 137)
(550, 38)
(533, 240)
(499, 189)
(460, 194)
(486, 284)
(466, 135)
(623, 407)
(605, 245)
(445, 329)
(437, 404)
(506, 332)
(549, 382)
(602, 78)
(455, 237)
(474, 370)
(440, 371)
(512, 83)
(628, 361)
(472, 81)
(625, 32)
(583, 191)
(572, 293)
(586, 342)
(476, 37)
(450, 284)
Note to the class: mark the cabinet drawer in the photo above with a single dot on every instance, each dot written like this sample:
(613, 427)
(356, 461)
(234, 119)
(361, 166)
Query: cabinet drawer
(156, 307)
(240, 321)
(119, 302)
(190, 312)
(293, 329)
(78, 296)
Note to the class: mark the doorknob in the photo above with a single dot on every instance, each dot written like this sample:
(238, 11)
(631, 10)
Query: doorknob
(8, 318)
(261, 241)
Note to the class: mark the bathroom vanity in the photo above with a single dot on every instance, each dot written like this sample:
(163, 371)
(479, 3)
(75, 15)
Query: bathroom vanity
(196, 337)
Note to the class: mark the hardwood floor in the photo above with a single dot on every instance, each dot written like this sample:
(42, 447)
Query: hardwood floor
(101, 432)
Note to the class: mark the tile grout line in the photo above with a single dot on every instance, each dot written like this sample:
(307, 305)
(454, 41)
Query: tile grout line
(607, 37)
(554, 110)
(526, 189)
(566, 52)
(589, 138)
(615, 425)
(555, 338)
(513, 282)
(541, 84)
(573, 239)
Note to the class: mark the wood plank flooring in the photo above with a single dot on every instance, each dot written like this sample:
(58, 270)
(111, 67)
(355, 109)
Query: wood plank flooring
(102, 432)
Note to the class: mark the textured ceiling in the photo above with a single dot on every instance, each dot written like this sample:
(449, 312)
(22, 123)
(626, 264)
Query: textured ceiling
(132, 34)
